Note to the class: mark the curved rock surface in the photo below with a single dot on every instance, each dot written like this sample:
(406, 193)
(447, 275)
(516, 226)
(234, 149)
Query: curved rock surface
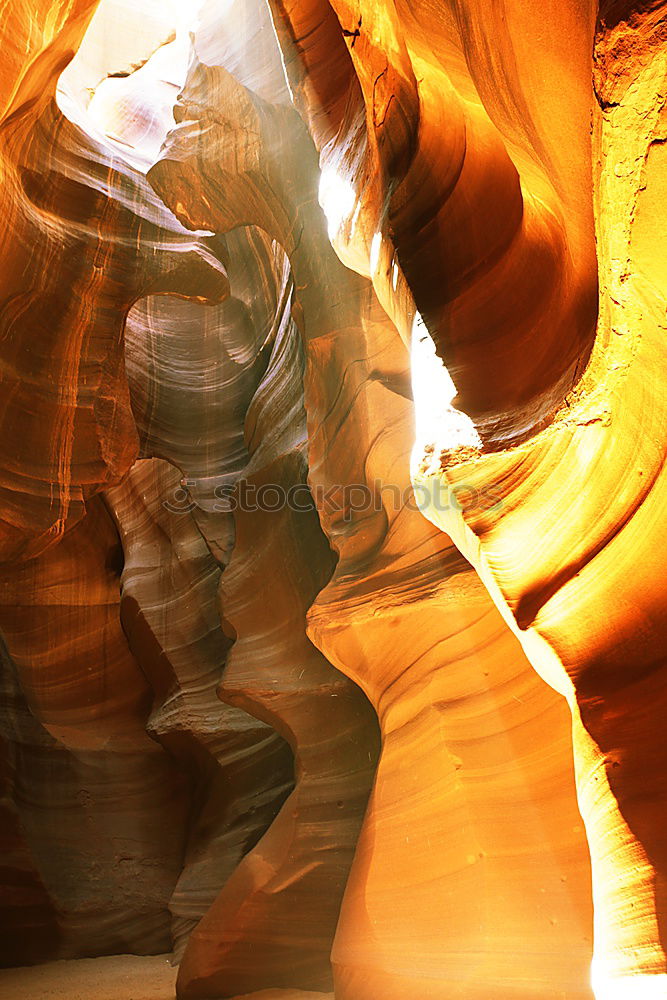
(332, 350)
(100, 808)
(88, 240)
(192, 372)
(378, 618)
(240, 770)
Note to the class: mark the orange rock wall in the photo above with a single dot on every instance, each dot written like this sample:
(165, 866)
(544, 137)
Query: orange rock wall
(398, 732)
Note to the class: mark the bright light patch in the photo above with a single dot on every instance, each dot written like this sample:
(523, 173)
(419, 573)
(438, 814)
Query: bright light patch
(337, 198)
(641, 987)
(438, 423)
(185, 14)
(376, 246)
(122, 36)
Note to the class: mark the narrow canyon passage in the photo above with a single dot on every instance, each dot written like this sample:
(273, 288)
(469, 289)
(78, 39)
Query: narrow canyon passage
(332, 428)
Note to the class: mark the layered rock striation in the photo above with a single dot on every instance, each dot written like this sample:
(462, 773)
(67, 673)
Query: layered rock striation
(331, 481)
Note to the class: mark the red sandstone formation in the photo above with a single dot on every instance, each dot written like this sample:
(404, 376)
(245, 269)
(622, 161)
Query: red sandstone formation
(332, 347)
(88, 240)
(239, 768)
(101, 810)
(394, 575)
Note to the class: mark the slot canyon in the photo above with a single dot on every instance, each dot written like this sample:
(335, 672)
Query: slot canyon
(333, 424)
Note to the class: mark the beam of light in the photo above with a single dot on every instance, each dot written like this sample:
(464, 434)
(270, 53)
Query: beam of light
(376, 246)
(337, 198)
(438, 423)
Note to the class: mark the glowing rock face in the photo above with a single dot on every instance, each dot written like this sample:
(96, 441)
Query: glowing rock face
(331, 478)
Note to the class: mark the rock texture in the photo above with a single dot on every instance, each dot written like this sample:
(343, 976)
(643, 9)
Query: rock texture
(88, 240)
(331, 602)
(99, 809)
(588, 599)
(393, 576)
(240, 770)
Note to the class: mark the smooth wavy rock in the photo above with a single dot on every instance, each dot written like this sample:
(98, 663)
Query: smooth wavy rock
(437, 687)
(88, 239)
(451, 154)
(101, 808)
(466, 170)
(316, 831)
(274, 921)
(240, 769)
(572, 549)
(193, 371)
(348, 321)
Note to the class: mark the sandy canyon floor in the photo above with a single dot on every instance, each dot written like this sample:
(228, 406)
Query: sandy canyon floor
(120, 977)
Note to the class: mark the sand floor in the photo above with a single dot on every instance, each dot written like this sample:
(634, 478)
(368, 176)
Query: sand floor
(122, 977)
